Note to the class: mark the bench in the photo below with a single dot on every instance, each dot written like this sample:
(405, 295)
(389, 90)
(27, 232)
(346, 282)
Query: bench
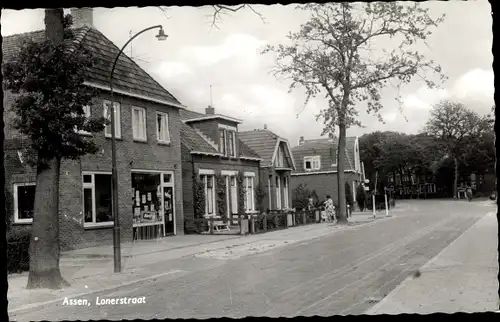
(221, 226)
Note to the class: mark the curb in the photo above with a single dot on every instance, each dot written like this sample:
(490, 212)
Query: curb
(373, 310)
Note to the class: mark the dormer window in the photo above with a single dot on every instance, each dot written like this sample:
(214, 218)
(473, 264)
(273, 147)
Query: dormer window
(312, 163)
(280, 158)
(227, 140)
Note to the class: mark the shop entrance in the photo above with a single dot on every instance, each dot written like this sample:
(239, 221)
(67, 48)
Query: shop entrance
(153, 204)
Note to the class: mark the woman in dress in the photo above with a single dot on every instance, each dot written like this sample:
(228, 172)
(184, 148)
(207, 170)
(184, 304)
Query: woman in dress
(329, 208)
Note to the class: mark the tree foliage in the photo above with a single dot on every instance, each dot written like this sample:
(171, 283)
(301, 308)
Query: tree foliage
(333, 55)
(462, 133)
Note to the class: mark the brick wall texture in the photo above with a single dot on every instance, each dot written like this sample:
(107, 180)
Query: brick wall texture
(130, 155)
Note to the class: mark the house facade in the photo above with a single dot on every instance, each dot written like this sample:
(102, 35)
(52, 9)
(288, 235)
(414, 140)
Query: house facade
(275, 169)
(316, 166)
(148, 153)
(214, 157)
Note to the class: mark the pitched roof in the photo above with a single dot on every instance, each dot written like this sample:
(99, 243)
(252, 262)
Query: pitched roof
(195, 142)
(327, 149)
(261, 141)
(128, 76)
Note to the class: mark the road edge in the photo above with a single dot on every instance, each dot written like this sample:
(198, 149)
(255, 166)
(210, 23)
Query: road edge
(373, 310)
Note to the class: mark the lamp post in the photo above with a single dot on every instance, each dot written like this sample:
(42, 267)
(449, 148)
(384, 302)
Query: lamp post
(114, 180)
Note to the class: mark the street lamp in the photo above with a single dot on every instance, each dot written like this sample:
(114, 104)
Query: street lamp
(114, 180)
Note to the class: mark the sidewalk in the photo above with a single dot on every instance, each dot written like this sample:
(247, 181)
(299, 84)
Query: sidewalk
(143, 260)
(462, 278)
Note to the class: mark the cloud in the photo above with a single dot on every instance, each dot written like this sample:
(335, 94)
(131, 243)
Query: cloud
(244, 46)
(172, 69)
(477, 84)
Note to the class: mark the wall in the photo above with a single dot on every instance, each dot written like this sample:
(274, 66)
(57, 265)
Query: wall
(130, 155)
(323, 184)
(213, 163)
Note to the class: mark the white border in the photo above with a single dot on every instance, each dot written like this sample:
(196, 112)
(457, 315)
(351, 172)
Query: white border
(215, 116)
(320, 172)
(229, 172)
(206, 172)
(228, 127)
(16, 200)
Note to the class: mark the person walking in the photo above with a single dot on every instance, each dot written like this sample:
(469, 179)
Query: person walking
(329, 208)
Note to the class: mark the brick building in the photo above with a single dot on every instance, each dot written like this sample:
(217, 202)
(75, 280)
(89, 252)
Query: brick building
(212, 151)
(316, 166)
(148, 154)
(276, 166)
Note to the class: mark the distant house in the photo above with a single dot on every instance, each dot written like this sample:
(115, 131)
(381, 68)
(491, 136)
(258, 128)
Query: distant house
(316, 166)
(211, 149)
(148, 150)
(276, 166)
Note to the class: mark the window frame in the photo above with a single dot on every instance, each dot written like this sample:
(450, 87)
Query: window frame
(312, 159)
(144, 129)
(222, 141)
(165, 119)
(17, 220)
(118, 126)
(286, 201)
(204, 176)
(91, 185)
(279, 204)
(249, 177)
(87, 112)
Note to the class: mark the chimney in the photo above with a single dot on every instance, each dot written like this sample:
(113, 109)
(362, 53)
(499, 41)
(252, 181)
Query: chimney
(265, 126)
(301, 140)
(210, 110)
(82, 17)
(54, 29)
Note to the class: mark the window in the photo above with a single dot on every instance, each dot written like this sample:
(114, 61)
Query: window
(333, 154)
(234, 195)
(285, 192)
(162, 130)
(227, 140)
(24, 202)
(278, 192)
(232, 146)
(87, 114)
(280, 158)
(222, 141)
(139, 124)
(209, 182)
(269, 191)
(107, 114)
(97, 199)
(249, 192)
(312, 163)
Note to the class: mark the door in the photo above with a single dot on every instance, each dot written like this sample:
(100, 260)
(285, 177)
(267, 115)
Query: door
(234, 199)
(168, 201)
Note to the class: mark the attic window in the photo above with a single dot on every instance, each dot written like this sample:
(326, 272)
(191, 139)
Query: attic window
(312, 163)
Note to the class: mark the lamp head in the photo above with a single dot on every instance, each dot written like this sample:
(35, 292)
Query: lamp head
(161, 35)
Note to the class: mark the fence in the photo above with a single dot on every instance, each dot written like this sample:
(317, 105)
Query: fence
(254, 223)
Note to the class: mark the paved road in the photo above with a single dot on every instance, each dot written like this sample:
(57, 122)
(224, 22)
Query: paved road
(343, 273)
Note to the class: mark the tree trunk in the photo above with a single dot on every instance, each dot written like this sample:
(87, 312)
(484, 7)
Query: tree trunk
(342, 215)
(455, 180)
(44, 244)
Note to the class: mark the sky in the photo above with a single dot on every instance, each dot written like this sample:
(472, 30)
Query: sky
(228, 59)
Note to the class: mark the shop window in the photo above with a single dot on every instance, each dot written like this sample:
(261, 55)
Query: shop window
(162, 129)
(139, 124)
(24, 202)
(97, 199)
(107, 115)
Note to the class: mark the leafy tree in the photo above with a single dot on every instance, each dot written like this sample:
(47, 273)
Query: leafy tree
(369, 151)
(199, 197)
(361, 197)
(460, 131)
(332, 55)
(48, 78)
(260, 194)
